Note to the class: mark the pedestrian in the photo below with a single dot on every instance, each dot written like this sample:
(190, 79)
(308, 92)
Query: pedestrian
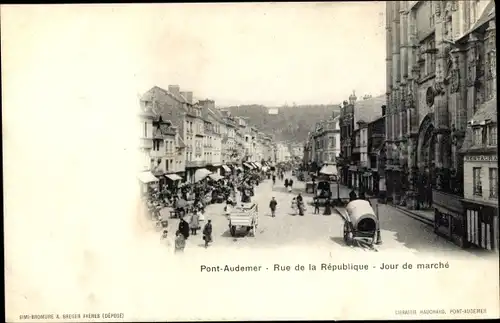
(352, 195)
(286, 183)
(180, 242)
(299, 198)
(328, 207)
(164, 235)
(227, 208)
(274, 179)
(290, 183)
(207, 233)
(294, 206)
(194, 223)
(272, 206)
(184, 228)
(316, 205)
(301, 207)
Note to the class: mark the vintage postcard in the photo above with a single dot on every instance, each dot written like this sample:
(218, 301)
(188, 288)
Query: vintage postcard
(250, 161)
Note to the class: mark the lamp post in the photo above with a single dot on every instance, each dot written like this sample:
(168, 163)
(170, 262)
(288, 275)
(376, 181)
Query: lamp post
(379, 238)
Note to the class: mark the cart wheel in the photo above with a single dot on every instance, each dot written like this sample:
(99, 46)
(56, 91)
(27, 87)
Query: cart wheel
(233, 230)
(347, 234)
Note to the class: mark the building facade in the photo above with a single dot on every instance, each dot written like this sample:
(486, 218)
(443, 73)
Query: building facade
(441, 60)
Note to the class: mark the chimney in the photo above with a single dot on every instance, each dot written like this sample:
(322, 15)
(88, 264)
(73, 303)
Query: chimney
(352, 98)
(188, 96)
(383, 110)
(174, 89)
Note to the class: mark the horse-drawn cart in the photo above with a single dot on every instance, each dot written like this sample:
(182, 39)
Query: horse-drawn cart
(360, 222)
(244, 215)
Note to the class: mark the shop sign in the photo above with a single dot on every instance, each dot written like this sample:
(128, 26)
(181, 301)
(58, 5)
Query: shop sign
(481, 158)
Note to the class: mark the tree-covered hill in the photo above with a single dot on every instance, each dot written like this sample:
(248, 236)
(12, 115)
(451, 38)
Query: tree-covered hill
(290, 123)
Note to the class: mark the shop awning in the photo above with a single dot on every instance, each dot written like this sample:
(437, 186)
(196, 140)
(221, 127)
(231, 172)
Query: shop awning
(258, 164)
(254, 165)
(226, 168)
(201, 174)
(248, 165)
(174, 177)
(147, 177)
(215, 176)
(330, 170)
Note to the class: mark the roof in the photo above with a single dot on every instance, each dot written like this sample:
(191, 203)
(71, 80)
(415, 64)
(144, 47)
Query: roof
(181, 143)
(487, 15)
(487, 112)
(368, 110)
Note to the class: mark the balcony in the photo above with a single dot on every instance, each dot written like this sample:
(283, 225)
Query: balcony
(196, 163)
(146, 143)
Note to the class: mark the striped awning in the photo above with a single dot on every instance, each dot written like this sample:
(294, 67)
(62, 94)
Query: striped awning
(248, 165)
(258, 165)
(147, 177)
(226, 168)
(174, 177)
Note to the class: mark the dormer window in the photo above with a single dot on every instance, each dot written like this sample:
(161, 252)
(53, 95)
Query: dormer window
(492, 135)
(478, 136)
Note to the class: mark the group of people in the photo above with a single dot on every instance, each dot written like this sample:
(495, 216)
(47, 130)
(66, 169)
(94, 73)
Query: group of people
(185, 228)
(298, 205)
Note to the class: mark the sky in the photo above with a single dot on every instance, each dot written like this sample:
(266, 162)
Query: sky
(260, 53)
(266, 53)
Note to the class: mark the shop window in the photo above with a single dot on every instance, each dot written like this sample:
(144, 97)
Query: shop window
(493, 177)
(477, 186)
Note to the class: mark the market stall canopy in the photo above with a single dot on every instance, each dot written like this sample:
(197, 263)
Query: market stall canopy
(265, 168)
(227, 169)
(330, 170)
(238, 167)
(215, 176)
(147, 177)
(258, 164)
(248, 165)
(201, 174)
(174, 177)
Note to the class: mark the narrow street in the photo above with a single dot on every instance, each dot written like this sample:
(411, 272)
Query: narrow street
(399, 232)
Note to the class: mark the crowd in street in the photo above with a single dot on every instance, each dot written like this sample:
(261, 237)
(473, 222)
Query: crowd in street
(189, 201)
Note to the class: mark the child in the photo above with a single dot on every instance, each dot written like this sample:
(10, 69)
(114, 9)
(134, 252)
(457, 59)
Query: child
(294, 206)
(180, 242)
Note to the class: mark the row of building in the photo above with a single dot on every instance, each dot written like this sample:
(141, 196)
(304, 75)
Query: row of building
(180, 136)
(429, 143)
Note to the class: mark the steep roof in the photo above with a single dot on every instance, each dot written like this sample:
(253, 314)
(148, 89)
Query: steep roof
(487, 112)
(487, 15)
(368, 110)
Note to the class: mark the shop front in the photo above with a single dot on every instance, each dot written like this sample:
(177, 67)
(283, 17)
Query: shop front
(448, 217)
(147, 182)
(481, 225)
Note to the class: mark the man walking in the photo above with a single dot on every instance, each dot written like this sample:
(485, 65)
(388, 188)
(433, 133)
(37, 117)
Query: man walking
(207, 233)
(272, 206)
(316, 205)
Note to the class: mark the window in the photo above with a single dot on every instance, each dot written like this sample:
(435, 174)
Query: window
(478, 138)
(476, 173)
(492, 135)
(493, 182)
(145, 129)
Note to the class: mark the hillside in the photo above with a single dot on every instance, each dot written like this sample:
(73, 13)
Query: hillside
(290, 123)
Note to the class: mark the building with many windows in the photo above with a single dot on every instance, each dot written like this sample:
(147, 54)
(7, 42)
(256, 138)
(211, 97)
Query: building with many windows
(441, 74)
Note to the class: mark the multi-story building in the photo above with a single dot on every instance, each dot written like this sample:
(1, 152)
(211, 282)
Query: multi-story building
(365, 111)
(177, 108)
(346, 122)
(214, 125)
(326, 139)
(441, 71)
(145, 118)
(282, 152)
